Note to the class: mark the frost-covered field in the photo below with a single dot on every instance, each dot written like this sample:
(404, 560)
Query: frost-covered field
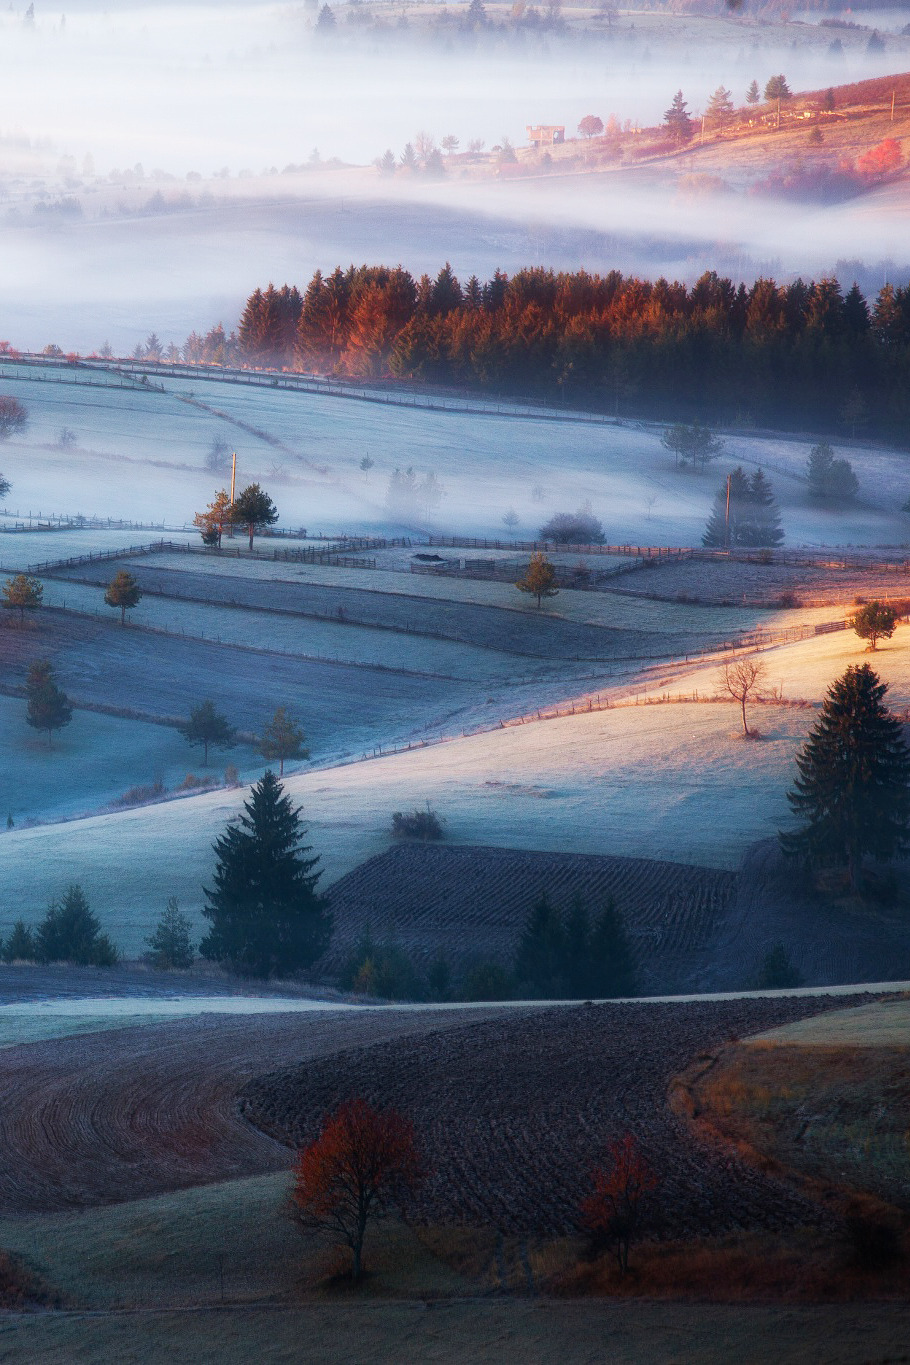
(594, 608)
(487, 465)
(668, 781)
(93, 761)
(304, 637)
(19, 549)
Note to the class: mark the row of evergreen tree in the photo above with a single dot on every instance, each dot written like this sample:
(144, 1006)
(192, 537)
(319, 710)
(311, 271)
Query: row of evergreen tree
(798, 354)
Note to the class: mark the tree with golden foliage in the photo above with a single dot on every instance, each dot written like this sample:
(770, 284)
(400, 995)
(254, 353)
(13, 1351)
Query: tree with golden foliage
(539, 579)
(363, 1160)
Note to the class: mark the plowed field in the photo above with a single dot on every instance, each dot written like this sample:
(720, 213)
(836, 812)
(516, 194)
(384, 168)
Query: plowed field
(466, 902)
(512, 1113)
(116, 1116)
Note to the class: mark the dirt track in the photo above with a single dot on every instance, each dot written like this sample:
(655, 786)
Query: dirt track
(107, 1117)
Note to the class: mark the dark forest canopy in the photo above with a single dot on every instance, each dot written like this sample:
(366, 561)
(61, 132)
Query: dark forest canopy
(798, 355)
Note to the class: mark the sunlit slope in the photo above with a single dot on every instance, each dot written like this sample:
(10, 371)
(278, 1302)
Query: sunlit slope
(665, 781)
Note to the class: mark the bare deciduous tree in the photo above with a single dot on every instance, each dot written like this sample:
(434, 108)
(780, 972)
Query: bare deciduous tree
(741, 679)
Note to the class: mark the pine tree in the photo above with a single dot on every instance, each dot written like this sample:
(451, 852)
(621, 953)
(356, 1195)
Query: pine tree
(752, 94)
(853, 788)
(282, 739)
(760, 521)
(720, 531)
(720, 106)
(124, 592)
(611, 968)
(47, 707)
(265, 912)
(753, 521)
(20, 946)
(208, 728)
(677, 119)
(171, 947)
(70, 932)
(539, 962)
(254, 509)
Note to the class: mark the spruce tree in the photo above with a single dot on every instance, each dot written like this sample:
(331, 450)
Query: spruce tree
(265, 912)
(540, 960)
(20, 946)
(760, 522)
(853, 788)
(611, 968)
(70, 932)
(721, 532)
(171, 946)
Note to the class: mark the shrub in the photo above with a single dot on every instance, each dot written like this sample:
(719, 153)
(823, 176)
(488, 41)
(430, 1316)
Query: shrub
(383, 970)
(170, 944)
(487, 981)
(574, 528)
(874, 1243)
(776, 972)
(70, 932)
(137, 796)
(417, 824)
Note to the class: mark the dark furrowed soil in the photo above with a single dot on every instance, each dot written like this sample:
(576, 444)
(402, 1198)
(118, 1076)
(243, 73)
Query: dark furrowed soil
(473, 903)
(513, 1113)
(108, 1117)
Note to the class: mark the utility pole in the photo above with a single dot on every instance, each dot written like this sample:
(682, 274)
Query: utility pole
(892, 105)
(233, 484)
(727, 515)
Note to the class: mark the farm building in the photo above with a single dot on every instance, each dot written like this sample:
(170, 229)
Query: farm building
(546, 134)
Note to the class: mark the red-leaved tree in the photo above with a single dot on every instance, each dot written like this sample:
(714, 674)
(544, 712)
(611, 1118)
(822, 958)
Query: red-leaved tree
(611, 1214)
(363, 1160)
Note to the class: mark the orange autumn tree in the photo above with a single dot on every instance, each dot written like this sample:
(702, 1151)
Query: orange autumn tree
(611, 1214)
(363, 1161)
(879, 160)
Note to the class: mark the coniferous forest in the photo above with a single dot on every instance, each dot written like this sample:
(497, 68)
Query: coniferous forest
(796, 356)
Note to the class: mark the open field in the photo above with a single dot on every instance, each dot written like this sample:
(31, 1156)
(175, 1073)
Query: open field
(555, 1087)
(309, 448)
(885, 1023)
(613, 609)
(486, 1331)
(831, 1102)
(159, 1102)
(464, 903)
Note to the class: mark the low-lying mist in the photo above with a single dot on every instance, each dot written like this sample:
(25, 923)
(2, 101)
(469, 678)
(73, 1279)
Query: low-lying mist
(158, 162)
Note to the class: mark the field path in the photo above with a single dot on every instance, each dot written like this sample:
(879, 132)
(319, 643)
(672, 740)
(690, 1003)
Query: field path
(114, 1116)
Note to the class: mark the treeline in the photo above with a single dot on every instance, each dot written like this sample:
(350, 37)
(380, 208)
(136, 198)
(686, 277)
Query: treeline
(796, 355)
